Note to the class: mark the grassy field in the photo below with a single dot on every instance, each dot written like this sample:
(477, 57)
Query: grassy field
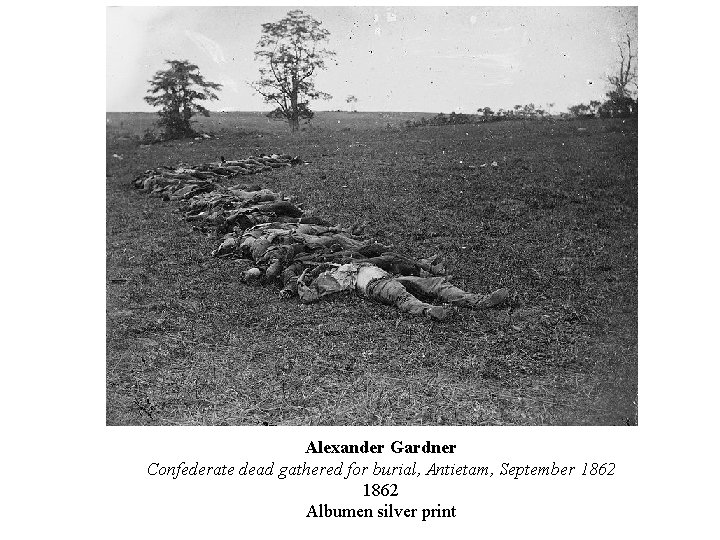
(555, 221)
(130, 125)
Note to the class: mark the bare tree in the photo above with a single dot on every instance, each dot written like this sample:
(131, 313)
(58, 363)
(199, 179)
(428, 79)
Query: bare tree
(622, 96)
(626, 77)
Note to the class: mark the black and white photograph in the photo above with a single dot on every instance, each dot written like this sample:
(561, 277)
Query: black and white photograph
(372, 216)
(356, 271)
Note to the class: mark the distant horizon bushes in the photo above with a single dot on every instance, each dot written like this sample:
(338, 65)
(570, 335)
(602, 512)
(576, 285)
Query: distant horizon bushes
(613, 107)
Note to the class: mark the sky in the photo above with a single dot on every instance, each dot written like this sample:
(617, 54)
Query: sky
(429, 59)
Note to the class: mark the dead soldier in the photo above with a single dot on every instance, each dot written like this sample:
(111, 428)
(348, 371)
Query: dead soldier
(376, 284)
(314, 261)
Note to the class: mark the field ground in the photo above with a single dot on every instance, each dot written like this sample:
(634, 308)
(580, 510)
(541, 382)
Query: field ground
(555, 221)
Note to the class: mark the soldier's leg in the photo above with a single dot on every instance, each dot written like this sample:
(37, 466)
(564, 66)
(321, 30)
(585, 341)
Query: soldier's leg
(440, 288)
(390, 291)
(274, 269)
(289, 278)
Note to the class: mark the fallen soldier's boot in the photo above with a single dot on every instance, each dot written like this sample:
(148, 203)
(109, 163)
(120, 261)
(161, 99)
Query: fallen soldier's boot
(497, 297)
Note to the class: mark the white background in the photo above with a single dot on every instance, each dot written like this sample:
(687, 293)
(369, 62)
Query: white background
(66, 475)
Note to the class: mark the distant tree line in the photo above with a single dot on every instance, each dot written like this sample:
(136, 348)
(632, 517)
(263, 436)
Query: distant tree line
(621, 101)
(483, 115)
(292, 51)
(613, 107)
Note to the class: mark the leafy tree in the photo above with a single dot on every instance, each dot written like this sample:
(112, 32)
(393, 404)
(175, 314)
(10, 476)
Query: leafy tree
(351, 101)
(618, 106)
(291, 52)
(487, 113)
(177, 90)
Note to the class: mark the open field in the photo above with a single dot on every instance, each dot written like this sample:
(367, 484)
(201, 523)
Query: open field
(134, 124)
(555, 222)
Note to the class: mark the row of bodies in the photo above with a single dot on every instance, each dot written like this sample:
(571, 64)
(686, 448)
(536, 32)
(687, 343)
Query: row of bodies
(304, 254)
